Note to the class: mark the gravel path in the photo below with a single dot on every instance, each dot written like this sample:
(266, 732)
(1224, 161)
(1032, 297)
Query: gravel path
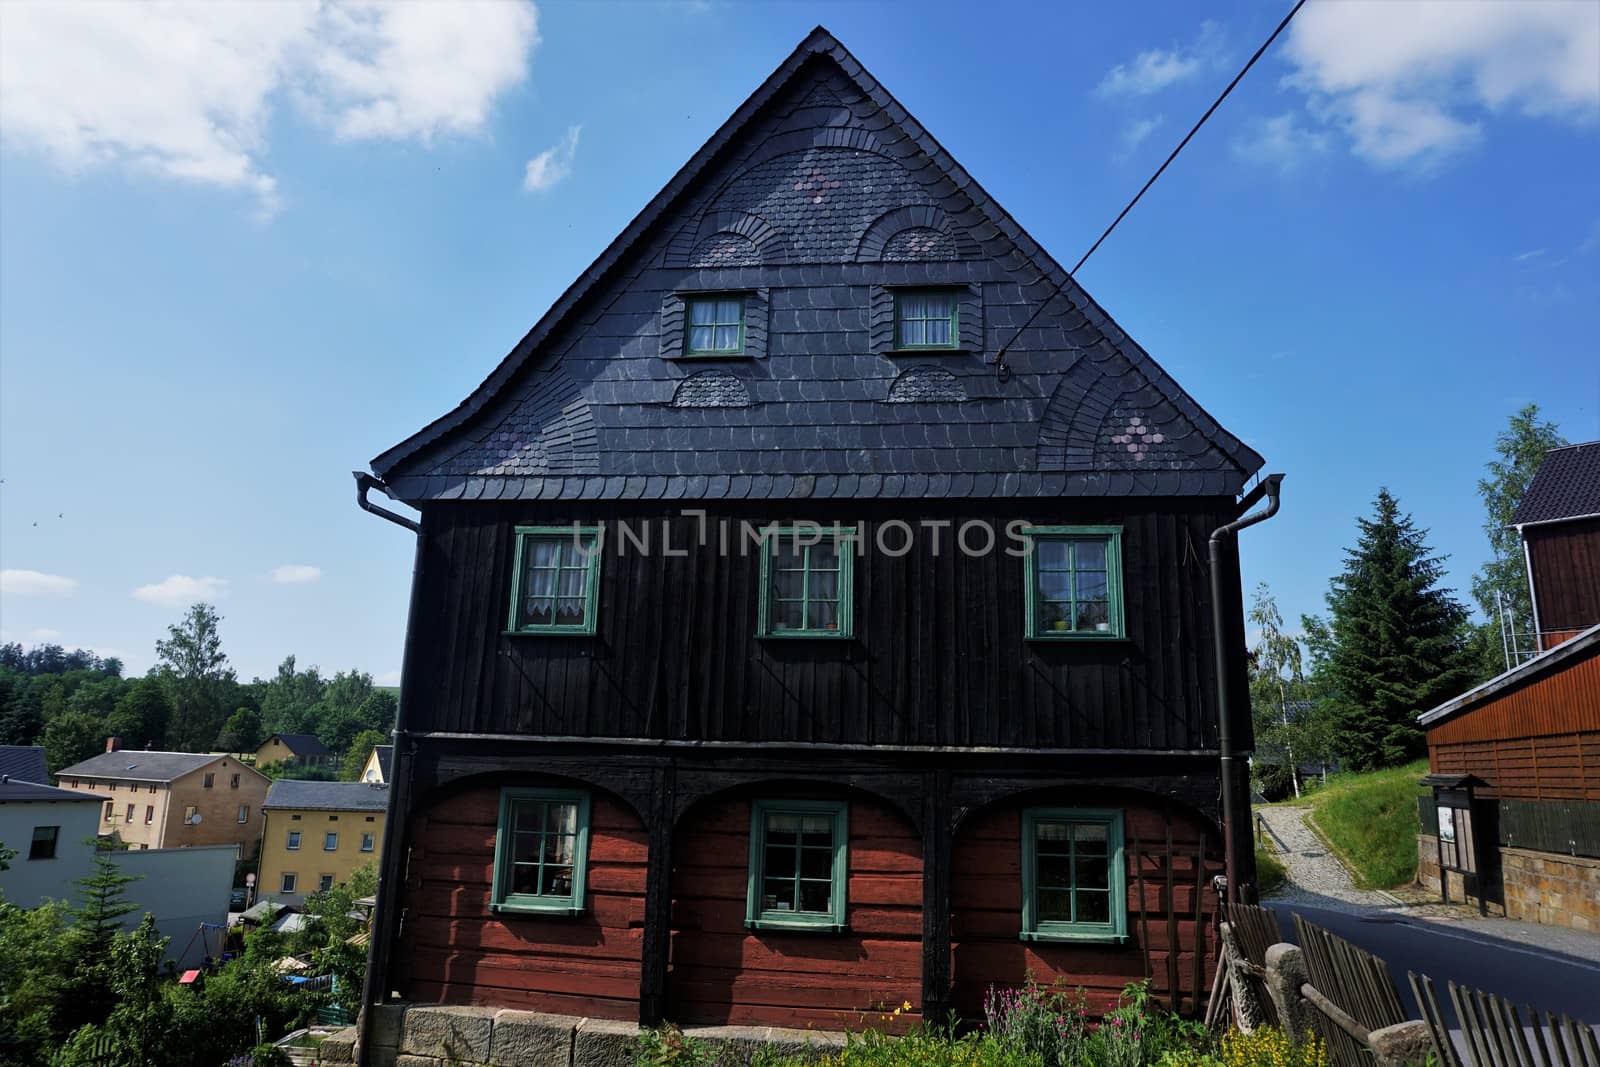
(1316, 877)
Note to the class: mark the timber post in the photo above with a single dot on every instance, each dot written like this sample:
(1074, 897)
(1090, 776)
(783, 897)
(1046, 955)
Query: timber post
(938, 841)
(657, 942)
(1286, 974)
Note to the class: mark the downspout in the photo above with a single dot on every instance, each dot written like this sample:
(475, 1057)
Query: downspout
(1239, 859)
(1533, 598)
(391, 866)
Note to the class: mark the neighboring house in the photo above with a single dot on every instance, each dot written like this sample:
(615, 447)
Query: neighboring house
(1515, 762)
(172, 799)
(1559, 520)
(52, 832)
(296, 750)
(317, 835)
(186, 891)
(768, 774)
(24, 763)
(376, 769)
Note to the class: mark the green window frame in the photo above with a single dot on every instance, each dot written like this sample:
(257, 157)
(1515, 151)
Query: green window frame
(921, 314)
(541, 851)
(1074, 583)
(556, 575)
(713, 325)
(789, 865)
(1074, 877)
(807, 582)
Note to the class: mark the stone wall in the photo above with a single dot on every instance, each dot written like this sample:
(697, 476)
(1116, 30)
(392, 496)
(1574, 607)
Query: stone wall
(1541, 887)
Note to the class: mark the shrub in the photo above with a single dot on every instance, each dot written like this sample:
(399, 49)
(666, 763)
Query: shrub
(1270, 872)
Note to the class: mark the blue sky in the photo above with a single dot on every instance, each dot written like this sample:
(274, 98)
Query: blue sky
(243, 250)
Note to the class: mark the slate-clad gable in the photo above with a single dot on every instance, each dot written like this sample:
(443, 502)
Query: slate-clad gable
(823, 197)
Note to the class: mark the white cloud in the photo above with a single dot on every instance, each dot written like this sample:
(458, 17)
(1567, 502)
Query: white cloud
(1136, 132)
(389, 678)
(181, 590)
(186, 91)
(35, 583)
(554, 163)
(1410, 84)
(1154, 70)
(296, 574)
(1281, 141)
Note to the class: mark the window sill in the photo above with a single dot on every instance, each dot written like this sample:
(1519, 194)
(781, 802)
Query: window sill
(713, 355)
(553, 632)
(1076, 635)
(550, 911)
(1066, 937)
(930, 350)
(783, 926)
(806, 635)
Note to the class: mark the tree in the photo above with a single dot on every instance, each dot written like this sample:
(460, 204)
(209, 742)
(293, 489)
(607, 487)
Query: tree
(87, 993)
(141, 715)
(241, 733)
(72, 737)
(1394, 642)
(1519, 449)
(355, 758)
(21, 716)
(194, 672)
(288, 698)
(328, 931)
(1276, 680)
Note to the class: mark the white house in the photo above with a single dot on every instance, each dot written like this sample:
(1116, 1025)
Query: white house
(52, 832)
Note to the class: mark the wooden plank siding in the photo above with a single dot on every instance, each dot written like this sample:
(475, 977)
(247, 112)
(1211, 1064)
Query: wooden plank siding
(1565, 560)
(724, 973)
(462, 953)
(1538, 741)
(1170, 857)
(938, 657)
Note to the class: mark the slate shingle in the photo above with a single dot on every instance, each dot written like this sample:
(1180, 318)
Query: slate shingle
(1566, 486)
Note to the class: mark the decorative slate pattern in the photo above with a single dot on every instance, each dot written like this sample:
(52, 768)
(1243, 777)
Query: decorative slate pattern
(926, 385)
(725, 250)
(820, 169)
(711, 389)
(1566, 486)
(919, 243)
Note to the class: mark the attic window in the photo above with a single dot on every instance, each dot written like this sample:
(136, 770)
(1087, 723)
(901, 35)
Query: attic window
(925, 318)
(715, 326)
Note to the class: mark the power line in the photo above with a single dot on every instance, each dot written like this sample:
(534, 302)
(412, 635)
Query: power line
(1237, 78)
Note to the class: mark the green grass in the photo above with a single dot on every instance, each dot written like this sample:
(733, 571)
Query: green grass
(1269, 871)
(1370, 821)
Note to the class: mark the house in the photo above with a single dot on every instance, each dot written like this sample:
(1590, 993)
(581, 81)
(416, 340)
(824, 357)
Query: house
(1514, 815)
(295, 750)
(52, 833)
(317, 835)
(812, 613)
(376, 769)
(24, 763)
(1559, 521)
(171, 799)
(185, 891)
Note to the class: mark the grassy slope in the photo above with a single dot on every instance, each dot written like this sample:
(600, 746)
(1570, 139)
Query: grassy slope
(1370, 820)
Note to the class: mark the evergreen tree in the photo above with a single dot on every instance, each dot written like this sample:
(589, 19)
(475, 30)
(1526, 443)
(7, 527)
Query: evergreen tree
(1394, 642)
(88, 993)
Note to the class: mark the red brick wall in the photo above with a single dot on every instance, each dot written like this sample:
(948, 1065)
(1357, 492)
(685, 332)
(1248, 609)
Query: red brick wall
(723, 973)
(1169, 941)
(460, 953)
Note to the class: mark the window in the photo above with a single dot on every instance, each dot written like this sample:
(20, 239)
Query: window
(44, 843)
(111, 787)
(149, 814)
(293, 844)
(798, 863)
(152, 787)
(191, 816)
(372, 818)
(131, 809)
(368, 841)
(330, 842)
(235, 783)
(925, 318)
(75, 783)
(1074, 581)
(806, 582)
(1072, 875)
(111, 810)
(715, 326)
(244, 813)
(540, 851)
(557, 580)
(294, 818)
(324, 883)
(290, 880)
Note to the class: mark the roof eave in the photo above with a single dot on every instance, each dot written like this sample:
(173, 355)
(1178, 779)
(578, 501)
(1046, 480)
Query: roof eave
(1522, 672)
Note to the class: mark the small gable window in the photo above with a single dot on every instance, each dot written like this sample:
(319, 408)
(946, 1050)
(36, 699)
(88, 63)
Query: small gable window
(1074, 582)
(557, 580)
(925, 318)
(807, 579)
(1072, 875)
(541, 848)
(798, 865)
(715, 326)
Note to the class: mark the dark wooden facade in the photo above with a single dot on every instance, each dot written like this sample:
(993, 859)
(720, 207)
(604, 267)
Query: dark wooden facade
(1564, 568)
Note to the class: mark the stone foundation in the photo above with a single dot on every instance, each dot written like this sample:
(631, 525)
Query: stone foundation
(431, 1036)
(1541, 887)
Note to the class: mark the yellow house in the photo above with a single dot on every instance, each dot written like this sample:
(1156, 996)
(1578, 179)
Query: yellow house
(376, 769)
(317, 835)
(171, 799)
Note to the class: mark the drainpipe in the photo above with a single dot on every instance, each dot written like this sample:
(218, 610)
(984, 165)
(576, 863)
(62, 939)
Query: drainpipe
(1239, 858)
(385, 925)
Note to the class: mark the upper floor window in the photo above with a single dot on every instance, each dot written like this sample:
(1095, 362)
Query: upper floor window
(367, 842)
(1073, 882)
(330, 842)
(798, 864)
(191, 815)
(235, 783)
(244, 813)
(557, 580)
(111, 810)
(293, 844)
(541, 849)
(714, 325)
(43, 846)
(925, 318)
(210, 780)
(149, 814)
(807, 579)
(1074, 582)
(129, 816)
